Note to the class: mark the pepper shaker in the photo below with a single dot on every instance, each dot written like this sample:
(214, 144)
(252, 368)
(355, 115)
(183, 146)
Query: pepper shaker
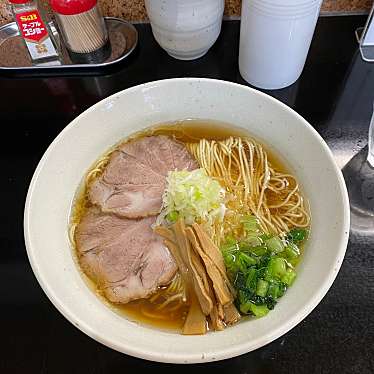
(35, 32)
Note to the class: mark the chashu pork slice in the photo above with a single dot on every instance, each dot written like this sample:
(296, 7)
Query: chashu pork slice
(161, 153)
(133, 182)
(124, 256)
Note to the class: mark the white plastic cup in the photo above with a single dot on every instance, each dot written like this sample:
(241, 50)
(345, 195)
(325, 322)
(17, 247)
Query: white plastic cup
(275, 37)
(185, 29)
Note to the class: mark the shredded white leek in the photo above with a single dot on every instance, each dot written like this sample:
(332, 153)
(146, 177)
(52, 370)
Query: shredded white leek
(193, 196)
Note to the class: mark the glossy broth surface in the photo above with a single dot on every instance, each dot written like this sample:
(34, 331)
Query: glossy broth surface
(186, 131)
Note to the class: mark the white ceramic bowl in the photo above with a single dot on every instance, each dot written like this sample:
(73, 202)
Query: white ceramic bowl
(185, 29)
(63, 165)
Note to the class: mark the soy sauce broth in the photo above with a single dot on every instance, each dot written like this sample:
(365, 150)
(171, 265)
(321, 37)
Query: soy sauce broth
(187, 131)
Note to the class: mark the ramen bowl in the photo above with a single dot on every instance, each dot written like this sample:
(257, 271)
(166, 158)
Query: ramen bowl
(60, 172)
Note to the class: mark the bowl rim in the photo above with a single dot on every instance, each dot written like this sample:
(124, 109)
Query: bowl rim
(230, 351)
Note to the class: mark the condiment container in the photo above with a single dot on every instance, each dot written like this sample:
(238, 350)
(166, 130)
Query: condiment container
(35, 32)
(275, 37)
(185, 29)
(83, 30)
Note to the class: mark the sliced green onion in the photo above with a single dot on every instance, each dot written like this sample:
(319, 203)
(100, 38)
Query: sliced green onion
(250, 223)
(245, 307)
(277, 267)
(262, 287)
(275, 244)
(240, 284)
(229, 248)
(259, 310)
(230, 262)
(194, 195)
(172, 216)
(245, 261)
(251, 280)
(292, 251)
(293, 262)
(273, 290)
(253, 240)
(276, 289)
(289, 277)
(282, 289)
(244, 247)
(297, 235)
(261, 266)
(230, 240)
(259, 251)
(265, 236)
(270, 302)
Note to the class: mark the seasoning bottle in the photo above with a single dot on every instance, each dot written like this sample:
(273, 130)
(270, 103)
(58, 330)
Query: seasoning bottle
(34, 31)
(83, 30)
